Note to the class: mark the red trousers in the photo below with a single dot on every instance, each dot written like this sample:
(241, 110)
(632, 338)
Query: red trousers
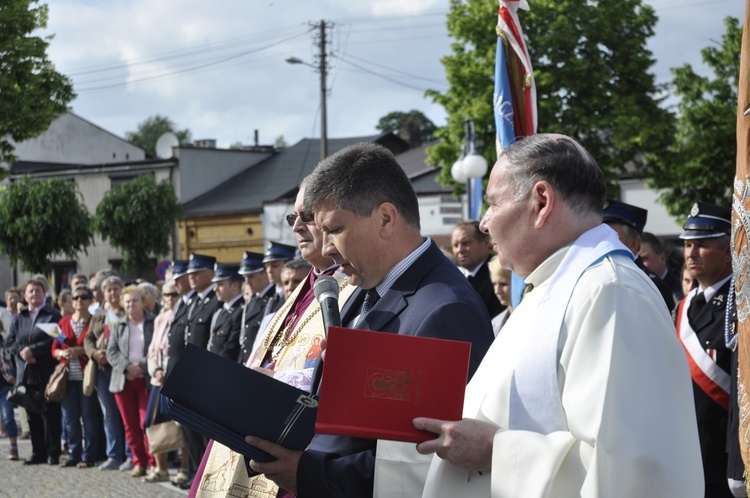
(132, 403)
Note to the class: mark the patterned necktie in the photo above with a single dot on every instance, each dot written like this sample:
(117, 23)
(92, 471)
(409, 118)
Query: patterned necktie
(371, 297)
(696, 305)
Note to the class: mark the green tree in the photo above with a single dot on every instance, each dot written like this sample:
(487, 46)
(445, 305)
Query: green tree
(591, 68)
(32, 93)
(151, 129)
(700, 165)
(280, 143)
(39, 219)
(138, 218)
(413, 126)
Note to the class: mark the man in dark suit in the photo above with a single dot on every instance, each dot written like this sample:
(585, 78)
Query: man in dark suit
(200, 274)
(227, 320)
(176, 333)
(628, 221)
(700, 327)
(273, 259)
(655, 258)
(253, 270)
(32, 349)
(471, 248)
(368, 213)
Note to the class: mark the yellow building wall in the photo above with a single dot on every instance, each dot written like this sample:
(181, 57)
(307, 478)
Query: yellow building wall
(225, 237)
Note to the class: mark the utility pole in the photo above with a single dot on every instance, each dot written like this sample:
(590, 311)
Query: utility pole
(323, 110)
(322, 68)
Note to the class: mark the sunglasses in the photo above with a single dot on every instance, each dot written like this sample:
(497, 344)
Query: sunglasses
(171, 294)
(306, 217)
(81, 297)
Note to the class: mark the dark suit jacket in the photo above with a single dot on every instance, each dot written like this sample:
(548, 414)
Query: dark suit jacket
(664, 290)
(176, 334)
(225, 336)
(273, 303)
(199, 324)
(675, 285)
(483, 285)
(254, 313)
(23, 333)
(711, 417)
(432, 299)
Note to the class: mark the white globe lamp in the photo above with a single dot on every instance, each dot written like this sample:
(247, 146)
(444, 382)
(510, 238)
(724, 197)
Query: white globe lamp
(458, 172)
(474, 166)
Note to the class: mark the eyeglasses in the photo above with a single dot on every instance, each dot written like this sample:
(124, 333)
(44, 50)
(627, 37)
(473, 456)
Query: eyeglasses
(306, 217)
(81, 297)
(171, 294)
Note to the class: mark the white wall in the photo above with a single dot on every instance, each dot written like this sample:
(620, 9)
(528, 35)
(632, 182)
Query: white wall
(659, 222)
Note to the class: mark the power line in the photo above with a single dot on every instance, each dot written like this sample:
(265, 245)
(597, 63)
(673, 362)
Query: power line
(189, 69)
(380, 75)
(395, 70)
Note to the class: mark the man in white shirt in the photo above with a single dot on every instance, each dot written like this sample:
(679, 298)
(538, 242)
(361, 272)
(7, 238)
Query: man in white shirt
(580, 396)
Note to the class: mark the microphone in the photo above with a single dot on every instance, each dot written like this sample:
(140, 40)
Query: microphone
(326, 290)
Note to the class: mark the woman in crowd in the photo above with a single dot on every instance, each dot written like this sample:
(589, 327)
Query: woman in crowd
(7, 379)
(687, 280)
(500, 278)
(157, 353)
(75, 405)
(65, 303)
(95, 343)
(32, 351)
(150, 297)
(127, 353)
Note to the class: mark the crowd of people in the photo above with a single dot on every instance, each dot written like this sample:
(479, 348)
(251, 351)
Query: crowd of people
(614, 374)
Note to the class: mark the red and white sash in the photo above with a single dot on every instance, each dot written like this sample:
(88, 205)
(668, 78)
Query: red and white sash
(709, 376)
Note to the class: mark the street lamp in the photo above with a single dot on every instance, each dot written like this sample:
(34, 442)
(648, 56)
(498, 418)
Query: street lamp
(323, 119)
(470, 168)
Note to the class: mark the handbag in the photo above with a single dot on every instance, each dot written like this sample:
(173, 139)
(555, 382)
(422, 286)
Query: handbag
(27, 394)
(89, 378)
(58, 383)
(89, 372)
(164, 437)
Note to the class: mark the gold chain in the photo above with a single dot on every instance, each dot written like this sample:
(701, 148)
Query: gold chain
(277, 340)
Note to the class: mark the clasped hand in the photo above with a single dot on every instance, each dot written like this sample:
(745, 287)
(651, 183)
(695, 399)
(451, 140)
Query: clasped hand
(465, 443)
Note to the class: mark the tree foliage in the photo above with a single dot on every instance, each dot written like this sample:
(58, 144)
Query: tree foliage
(413, 126)
(280, 143)
(32, 93)
(39, 219)
(591, 68)
(701, 164)
(138, 218)
(151, 129)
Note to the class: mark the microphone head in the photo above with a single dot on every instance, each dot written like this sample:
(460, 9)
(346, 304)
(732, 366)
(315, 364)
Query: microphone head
(326, 287)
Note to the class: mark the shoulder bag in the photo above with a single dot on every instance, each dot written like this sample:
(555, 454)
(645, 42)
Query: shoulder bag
(164, 437)
(58, 383)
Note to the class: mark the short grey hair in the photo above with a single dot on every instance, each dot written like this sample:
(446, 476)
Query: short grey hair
(562, 162)
(111, 280)
(150, 288)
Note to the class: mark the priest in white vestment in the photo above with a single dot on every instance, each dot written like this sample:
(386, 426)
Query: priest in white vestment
(587, 392)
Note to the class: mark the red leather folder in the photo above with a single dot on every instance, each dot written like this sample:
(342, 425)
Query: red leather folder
(375, 383)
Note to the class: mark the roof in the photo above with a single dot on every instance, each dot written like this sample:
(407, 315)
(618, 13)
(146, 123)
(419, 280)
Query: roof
(275, 178)
(40, 167)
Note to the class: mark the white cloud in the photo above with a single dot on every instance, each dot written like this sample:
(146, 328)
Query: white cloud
(228, 101)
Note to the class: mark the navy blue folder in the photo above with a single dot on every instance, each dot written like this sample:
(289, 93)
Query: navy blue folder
(226, 401)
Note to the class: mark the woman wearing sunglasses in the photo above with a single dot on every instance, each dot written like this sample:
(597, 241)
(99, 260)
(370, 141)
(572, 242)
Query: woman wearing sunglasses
(75, 405)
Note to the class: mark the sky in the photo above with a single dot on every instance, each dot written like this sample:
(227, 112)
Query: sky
(218, 68)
